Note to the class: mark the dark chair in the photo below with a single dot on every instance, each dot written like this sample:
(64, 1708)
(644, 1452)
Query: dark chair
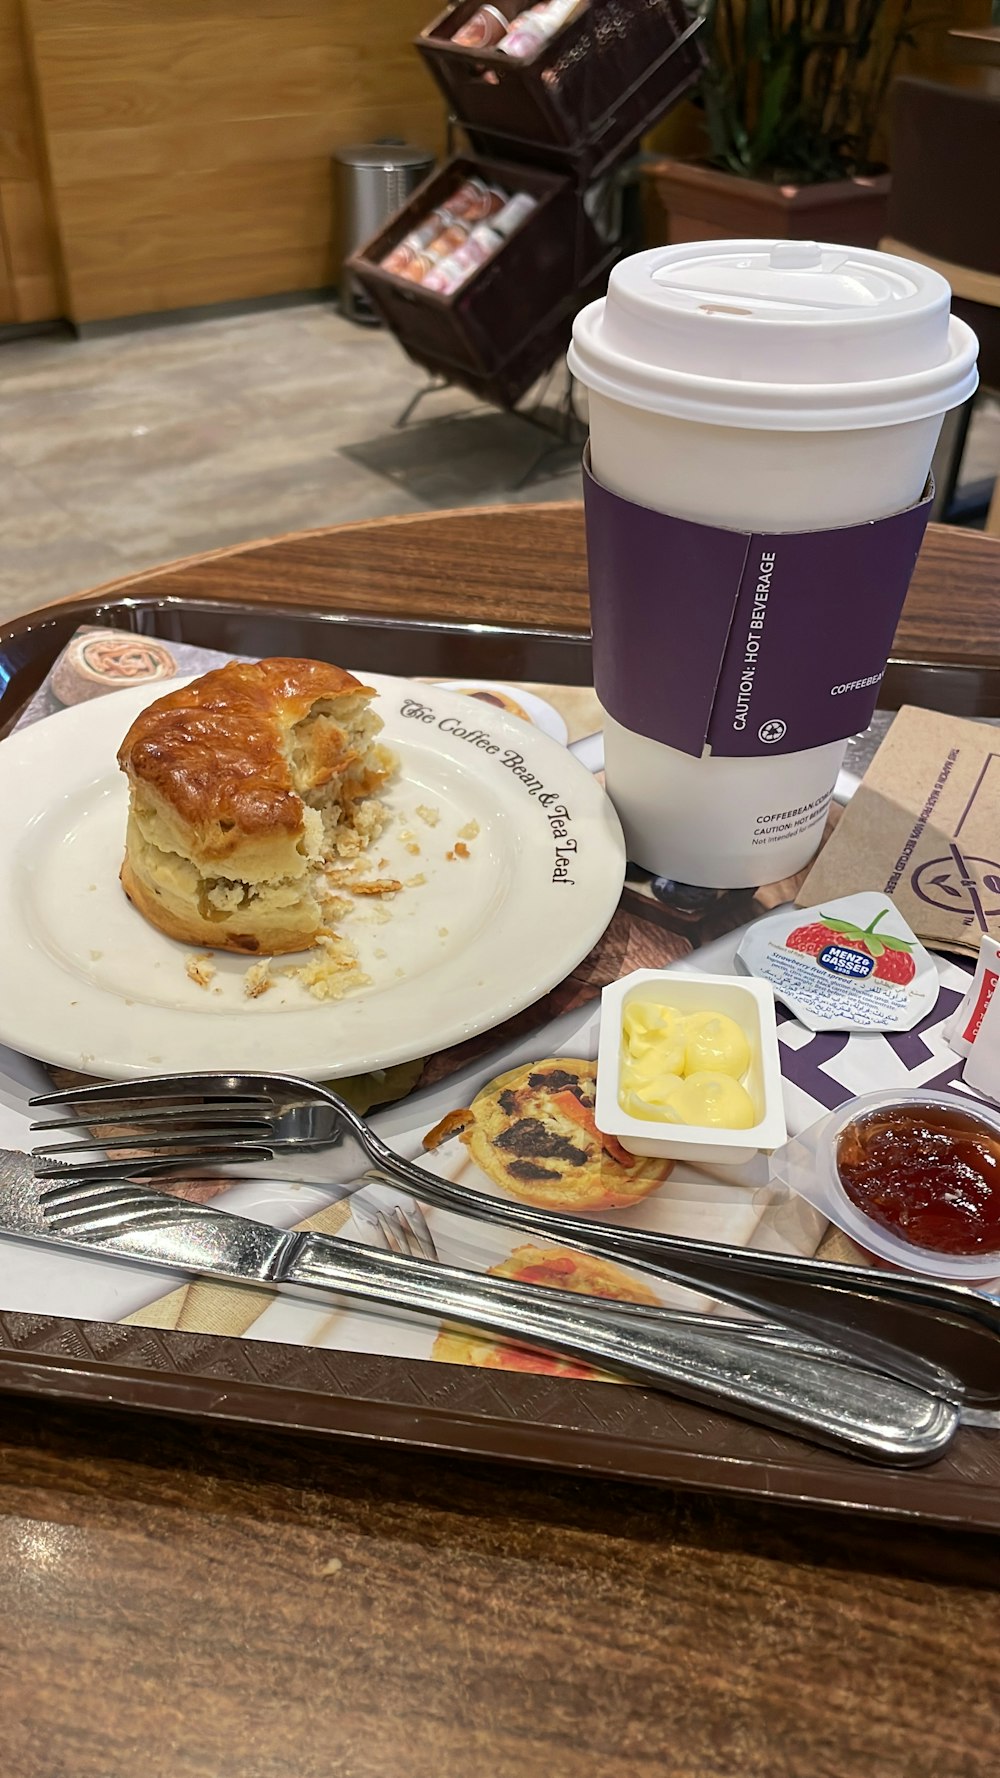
(944, 210)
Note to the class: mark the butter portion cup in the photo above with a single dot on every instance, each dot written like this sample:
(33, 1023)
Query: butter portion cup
(747, 1001)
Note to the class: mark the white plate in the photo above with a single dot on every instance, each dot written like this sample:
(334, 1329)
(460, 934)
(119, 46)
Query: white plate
(88, 983)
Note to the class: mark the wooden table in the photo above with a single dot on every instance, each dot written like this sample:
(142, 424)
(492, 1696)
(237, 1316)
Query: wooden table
(526, 565)
(183, 1603)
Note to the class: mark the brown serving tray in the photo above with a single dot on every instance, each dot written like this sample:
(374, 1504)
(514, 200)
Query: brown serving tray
(550, 1422)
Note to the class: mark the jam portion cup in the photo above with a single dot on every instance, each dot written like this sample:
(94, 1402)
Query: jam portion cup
(809, 1165)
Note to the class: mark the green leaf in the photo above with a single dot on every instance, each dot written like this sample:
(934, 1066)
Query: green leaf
(758, 26)
(772, 107)
(845, 926)
(888, 943)
(801, 84)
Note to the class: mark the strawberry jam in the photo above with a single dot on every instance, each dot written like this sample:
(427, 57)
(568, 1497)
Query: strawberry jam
(929, 1173)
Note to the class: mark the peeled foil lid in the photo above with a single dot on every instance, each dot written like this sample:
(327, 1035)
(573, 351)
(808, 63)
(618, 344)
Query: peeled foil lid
(852, 965)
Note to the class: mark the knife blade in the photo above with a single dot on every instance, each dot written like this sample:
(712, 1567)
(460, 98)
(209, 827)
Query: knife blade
(847, 1407)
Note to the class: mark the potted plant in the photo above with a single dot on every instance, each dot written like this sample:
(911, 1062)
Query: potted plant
(793, 96)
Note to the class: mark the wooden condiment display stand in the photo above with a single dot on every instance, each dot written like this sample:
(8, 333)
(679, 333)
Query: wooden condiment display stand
(555, 126)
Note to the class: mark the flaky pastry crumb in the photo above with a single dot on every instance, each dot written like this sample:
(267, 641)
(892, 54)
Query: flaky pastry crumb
(331, 972)
(369, 819)
(377, 886)
(337, 907)
(200, 969)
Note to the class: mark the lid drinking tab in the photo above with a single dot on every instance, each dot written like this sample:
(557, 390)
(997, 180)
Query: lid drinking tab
(796, 253)
(795, 280)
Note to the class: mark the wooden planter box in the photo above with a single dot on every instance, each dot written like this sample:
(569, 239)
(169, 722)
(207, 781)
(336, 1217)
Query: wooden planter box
(703, 203)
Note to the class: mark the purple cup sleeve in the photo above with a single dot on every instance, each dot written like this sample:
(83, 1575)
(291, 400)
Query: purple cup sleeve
(745, 642)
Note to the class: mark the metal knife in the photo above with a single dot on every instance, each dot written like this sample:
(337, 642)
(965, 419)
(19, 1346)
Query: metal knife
(847, 1407)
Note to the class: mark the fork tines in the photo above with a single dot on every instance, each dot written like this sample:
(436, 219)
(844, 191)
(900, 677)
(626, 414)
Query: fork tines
(243, 1112)
(154, 1126)
(159, 1089)
(406, 1232)
(93, 1161)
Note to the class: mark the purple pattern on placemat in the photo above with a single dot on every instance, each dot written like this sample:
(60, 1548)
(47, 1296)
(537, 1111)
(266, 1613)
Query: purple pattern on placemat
(805, 1066)
(751, 643)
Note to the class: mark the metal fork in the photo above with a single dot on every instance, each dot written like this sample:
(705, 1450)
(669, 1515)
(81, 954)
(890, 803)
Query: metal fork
(939, 1336)
(848, 1408)
(405, 1232)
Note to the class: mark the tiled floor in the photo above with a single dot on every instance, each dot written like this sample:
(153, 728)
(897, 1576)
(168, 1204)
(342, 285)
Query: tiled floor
(133, 448)
(126, 450)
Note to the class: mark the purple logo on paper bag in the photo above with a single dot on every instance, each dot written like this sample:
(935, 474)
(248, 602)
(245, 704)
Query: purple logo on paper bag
(747, 642)
(961, 883)
(951, 883)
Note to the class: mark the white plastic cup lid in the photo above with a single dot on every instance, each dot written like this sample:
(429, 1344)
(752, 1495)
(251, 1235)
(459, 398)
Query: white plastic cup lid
(782, 335)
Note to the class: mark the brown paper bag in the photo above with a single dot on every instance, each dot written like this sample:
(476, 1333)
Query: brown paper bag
(924, 828)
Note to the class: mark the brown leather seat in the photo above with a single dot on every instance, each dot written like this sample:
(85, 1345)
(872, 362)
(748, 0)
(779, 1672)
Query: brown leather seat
(945, 196)
(944, 210)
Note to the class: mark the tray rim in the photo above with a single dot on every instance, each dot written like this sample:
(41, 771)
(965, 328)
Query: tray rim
(543, 1422)
(449, 1411)
(115, 602)
(940, 681)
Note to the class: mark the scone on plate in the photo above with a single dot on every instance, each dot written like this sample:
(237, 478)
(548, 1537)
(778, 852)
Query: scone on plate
(243, 785)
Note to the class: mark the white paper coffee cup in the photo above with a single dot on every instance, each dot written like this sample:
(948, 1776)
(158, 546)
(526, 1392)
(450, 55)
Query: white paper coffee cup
(768, 386)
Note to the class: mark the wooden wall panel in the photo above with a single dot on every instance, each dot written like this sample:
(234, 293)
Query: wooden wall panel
(190, 141)
(28, 278)
(8, 305)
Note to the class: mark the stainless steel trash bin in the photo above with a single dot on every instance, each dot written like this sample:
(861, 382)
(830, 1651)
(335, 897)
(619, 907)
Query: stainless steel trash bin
(373, 181)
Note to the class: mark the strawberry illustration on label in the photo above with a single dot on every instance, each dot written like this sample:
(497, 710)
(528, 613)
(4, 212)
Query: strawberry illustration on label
(892, 957)
(836, 968)
(815, 938)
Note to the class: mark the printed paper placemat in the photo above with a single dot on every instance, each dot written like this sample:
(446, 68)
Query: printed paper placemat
(461, 1105)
